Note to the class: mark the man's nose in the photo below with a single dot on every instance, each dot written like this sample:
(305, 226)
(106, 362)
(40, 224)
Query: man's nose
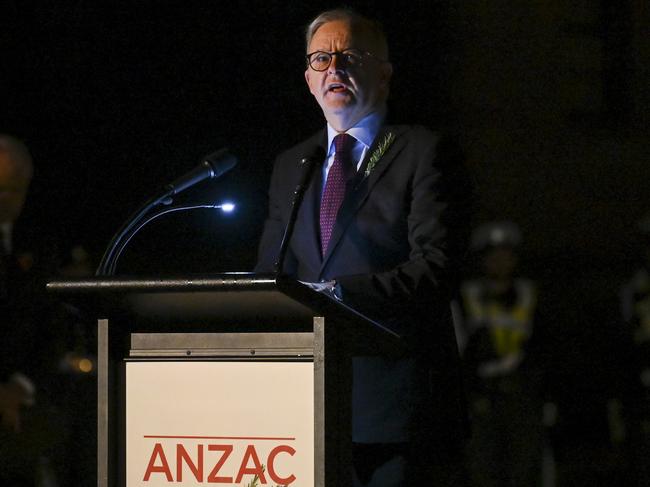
(336, 64)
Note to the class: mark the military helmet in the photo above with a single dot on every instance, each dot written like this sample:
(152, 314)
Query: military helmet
(495, 234)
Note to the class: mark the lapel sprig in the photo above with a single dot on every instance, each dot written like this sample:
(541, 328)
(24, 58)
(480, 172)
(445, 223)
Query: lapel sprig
(382, 147)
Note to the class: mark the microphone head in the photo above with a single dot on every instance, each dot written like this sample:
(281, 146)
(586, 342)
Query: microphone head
(212, 166)
(221, 162)
(316, 156)
(308, 165)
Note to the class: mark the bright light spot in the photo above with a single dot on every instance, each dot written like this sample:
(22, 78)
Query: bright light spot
(227, 207)
(85, 365)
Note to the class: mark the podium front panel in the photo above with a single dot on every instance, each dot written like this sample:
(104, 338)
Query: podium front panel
(196, 422)
(207, 325)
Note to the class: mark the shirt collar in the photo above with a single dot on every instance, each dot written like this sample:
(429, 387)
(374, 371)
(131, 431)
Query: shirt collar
(365, 131)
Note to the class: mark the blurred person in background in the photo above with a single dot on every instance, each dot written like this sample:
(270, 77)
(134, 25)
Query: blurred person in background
(495, 329)
(30, 434)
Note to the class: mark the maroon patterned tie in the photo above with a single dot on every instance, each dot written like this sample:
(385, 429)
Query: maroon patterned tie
(334, 191)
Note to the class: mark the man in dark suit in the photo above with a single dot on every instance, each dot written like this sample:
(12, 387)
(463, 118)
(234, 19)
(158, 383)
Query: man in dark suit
(380, 228)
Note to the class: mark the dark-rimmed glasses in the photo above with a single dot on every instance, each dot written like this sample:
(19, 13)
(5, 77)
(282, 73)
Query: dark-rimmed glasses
(321, 60)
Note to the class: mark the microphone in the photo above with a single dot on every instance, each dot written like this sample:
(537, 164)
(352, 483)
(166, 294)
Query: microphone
(213, 166)
(307, 164)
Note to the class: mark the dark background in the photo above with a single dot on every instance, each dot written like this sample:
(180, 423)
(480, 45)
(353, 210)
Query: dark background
(549, 101)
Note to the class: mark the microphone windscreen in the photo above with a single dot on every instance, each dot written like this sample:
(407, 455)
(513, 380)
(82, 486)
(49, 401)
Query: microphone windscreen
(317, 155)
(221, 161)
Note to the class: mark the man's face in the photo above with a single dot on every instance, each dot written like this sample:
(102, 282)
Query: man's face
(13, 188)
(348, 93)
(500, 262)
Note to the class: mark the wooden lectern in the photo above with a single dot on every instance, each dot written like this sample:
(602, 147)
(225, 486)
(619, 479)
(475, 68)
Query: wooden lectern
(223, 379)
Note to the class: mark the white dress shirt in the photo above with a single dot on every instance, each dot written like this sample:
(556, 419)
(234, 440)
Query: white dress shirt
(364, 133)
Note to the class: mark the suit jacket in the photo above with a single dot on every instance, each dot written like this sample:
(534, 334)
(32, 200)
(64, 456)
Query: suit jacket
(27, 332)
(31, 343)
(394, 251)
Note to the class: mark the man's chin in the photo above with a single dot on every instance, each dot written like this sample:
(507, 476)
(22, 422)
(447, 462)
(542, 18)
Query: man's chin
(338, 106)
(338, 99)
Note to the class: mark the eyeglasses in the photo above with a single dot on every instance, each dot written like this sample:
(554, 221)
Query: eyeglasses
(321, 60)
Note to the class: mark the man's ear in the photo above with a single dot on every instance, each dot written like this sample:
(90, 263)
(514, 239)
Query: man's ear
(386, 74)
(307, 73)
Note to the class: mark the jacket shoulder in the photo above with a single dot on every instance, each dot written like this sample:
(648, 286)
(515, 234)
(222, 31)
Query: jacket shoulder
(418, 133)
(304, 148)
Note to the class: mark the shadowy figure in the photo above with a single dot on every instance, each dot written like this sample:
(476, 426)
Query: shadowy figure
(495, 331)
(30, 434)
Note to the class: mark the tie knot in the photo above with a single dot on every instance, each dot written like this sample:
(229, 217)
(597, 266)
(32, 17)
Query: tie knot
(343, 143)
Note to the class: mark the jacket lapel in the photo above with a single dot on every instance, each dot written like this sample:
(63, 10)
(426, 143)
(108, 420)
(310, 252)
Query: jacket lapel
(309, 214)
(361, 185)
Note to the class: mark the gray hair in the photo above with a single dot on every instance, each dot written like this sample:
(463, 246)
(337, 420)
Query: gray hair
(18, 153)
(372, 27)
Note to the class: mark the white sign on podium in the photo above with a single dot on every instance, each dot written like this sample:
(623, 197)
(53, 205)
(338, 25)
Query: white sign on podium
(219, 423)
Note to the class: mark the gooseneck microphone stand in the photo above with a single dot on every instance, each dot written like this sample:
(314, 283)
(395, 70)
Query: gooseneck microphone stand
(214, 165)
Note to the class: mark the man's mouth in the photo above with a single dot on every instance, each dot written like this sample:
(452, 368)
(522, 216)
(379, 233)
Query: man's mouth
(336, 88)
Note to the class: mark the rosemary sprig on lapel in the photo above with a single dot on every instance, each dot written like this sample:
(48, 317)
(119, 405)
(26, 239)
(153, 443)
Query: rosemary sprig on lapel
(379, 152)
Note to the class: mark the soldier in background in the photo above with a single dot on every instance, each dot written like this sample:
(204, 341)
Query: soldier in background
(495, 331)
